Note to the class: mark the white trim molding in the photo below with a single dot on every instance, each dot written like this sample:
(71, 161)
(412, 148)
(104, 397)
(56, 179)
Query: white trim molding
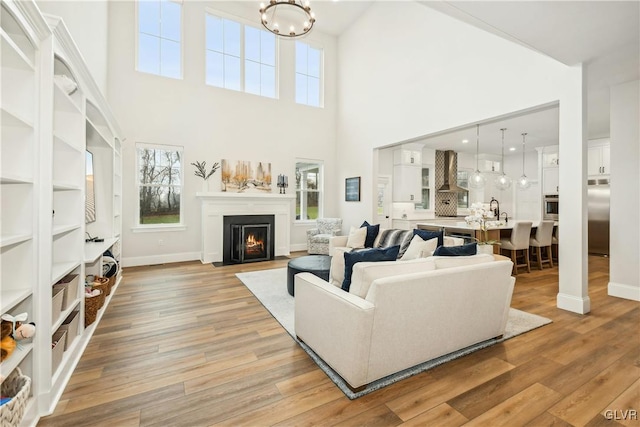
(620, 290)
(216, 205)
(159, 259)
(573, 303)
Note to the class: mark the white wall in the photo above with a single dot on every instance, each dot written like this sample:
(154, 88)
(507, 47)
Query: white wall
(624, 270)
(212, 124)
(438, 73)
(88, 23)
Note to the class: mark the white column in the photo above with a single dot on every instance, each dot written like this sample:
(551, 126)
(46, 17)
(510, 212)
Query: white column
(624, 270)
(573, 269)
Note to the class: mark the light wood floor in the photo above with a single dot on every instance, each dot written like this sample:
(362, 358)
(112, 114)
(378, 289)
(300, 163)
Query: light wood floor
(188, 345)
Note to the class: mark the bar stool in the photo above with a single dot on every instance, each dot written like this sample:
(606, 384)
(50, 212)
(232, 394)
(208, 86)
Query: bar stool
(542, 240)
(554, 244)
(519, 241)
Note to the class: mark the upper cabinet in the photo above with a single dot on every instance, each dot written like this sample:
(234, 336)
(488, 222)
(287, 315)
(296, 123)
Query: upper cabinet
(598, 160)
(407, 174)
(409, 157)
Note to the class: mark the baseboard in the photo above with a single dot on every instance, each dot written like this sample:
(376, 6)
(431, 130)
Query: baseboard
(159, 259)
(620, 290)
(298, 247)
(573, 303)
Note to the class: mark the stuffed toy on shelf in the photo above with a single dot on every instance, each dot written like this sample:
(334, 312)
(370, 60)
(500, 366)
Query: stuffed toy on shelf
(14, 329)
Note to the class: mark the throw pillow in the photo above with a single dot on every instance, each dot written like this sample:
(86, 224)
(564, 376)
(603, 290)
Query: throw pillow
(370, 255)
(427, 235)
(393, 237)
(372, 233)
(418, 248)
(464, 250)
(356, 237)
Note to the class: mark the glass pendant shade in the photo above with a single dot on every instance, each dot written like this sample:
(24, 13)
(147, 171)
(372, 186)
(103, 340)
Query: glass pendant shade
(503, 182)
(523, 181)
(477, 179)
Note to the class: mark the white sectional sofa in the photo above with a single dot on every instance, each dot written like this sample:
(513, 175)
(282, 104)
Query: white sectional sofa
(402, 313)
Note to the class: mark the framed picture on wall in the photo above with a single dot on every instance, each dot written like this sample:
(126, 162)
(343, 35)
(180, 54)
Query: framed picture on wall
(352, 189)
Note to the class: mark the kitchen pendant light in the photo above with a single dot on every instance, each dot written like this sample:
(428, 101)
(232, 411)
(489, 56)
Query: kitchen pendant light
(477, 179)
(503, 182)
(523, 181)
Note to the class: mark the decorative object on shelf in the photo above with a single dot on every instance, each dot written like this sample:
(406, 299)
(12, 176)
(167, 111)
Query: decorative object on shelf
(67, 84)
(283, 183)
(201, 171)
(477, 179)
(523, 181)
(503, 182)
(17, 388)
(485, 220)
(352, 189)
(287, 18)
(243, 176)
(14, 330)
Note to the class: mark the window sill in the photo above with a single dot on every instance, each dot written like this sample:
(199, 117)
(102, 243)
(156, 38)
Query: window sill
(158, 228)
(304, 223)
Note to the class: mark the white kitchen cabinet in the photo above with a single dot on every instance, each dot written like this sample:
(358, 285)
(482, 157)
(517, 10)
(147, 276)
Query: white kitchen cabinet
(407, 157)
(550, 180)
(407, 182)
(598, 159)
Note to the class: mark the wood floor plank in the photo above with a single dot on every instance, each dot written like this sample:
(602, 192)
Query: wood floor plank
(442, 415)
(625, 409)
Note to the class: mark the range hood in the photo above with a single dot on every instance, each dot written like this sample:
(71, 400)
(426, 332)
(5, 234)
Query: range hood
(450, 179)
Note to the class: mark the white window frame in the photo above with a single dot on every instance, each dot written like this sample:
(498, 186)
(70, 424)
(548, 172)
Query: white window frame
(321, 77)
(320, 191)
(137, 48)
(243, 23)
(158, 227)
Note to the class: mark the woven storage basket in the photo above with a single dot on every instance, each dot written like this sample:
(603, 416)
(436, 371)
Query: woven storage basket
(101, 283)
(112, 281)
(18, 387)
(91, 307)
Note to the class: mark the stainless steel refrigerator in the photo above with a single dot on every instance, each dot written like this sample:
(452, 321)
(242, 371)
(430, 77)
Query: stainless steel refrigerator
(598, 204)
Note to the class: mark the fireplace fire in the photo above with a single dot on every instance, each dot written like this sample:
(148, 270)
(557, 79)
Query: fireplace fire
(248, 238)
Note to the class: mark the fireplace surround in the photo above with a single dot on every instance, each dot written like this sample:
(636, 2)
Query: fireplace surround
(247, 238)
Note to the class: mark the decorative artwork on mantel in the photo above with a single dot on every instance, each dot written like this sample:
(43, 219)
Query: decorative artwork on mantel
(244, 176)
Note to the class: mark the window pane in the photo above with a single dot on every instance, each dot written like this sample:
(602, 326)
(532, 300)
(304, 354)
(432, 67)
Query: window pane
(268, 81)
(231, 37)
(170, 65)
(170, 23)
(159, 205)
(312, 204)
(301, 58)
(301, 89)
(149, 54)
(149, 17)
(252, 77)
(231, 72)
(215, 32)
(313, 93)
(252, 44)
(314, 62)
(267, 48)
(215, 69)
(298, 204)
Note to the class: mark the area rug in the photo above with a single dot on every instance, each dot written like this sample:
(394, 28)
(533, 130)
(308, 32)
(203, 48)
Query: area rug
(270, 287)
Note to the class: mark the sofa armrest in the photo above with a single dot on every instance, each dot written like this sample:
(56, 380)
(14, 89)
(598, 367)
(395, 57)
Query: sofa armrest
(336, 242)
(336, 325)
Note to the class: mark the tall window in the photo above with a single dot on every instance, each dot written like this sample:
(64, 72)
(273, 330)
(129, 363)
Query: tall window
(240, 57)
(159, 37)
(159, 172)
(308, 75)
(308, 190)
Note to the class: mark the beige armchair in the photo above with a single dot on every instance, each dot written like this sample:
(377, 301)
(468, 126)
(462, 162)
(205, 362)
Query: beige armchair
(318, 238)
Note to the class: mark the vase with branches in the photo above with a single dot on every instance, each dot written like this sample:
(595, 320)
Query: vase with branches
(201, 171)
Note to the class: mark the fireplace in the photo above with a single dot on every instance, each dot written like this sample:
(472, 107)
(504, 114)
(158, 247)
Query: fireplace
(248, 238)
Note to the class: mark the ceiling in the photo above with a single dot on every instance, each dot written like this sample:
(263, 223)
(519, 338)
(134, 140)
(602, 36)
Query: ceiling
(605, 35)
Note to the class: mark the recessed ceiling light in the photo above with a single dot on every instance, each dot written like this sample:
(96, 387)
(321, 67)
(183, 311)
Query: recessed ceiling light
(512, 149)
(464, 141)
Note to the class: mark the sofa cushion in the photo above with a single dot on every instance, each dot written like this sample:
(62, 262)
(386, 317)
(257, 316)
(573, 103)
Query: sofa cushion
(370, 255)
(372, 233)
(427, 235)
(458, 261)
(464, 250)
(364, 273)
(393, 237)
(419, 248)
(336, 272)
(357, 237)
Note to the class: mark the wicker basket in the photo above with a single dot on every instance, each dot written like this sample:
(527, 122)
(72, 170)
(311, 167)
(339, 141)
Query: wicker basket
(112, 281)
(91, 307)
(103, 284)
(18, 387)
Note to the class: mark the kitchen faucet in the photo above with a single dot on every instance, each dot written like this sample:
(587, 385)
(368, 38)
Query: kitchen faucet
(496, 210)
(506, 217)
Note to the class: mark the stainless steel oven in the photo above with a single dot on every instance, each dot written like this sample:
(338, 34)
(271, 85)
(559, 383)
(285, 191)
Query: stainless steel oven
(550, 206)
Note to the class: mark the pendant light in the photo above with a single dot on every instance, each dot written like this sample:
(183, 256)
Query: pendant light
(503, 182)
(523, 181)
(477, 179)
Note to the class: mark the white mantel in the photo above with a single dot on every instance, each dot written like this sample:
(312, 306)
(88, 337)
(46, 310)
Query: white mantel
(214, 207)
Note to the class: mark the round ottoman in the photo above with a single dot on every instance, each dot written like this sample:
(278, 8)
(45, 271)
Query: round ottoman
(318, 265)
